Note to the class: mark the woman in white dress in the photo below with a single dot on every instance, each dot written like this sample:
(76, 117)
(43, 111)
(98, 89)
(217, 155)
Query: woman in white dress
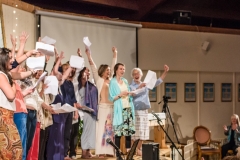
(104, 129)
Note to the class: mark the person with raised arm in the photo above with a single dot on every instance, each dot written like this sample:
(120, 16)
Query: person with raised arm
(67, 90)
(20, 115)
(11, 146)
(123, 110)
(104, 129)
(142, 104)
(233, 136)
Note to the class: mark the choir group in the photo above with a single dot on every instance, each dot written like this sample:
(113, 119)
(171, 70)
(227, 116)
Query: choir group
(109, 107)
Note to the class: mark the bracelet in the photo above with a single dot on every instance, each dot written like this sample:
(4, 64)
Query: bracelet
(119, 97)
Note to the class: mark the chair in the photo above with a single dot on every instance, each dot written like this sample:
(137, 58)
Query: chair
(205, 145)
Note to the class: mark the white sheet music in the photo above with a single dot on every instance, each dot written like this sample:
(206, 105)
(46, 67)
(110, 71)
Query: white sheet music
(40, 79)
(66, 108)
(46, 49)
(87, 42)
(76, 62)
(150, 79)
(137, 91)
(52, 83)
(36, 63)
(87, 108)
(48, 40)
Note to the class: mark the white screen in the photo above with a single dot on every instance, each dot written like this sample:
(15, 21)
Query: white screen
(69, 35)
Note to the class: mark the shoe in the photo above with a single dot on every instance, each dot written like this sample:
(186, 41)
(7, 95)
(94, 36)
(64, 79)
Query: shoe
(74, 157)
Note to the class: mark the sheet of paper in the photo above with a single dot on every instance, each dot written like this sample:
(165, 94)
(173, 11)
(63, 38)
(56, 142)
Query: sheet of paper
(46, 49)
(36, 63)
(52, 83)
(48, 40)
(66, 108)
(150, 79)
(87, 43)
(87, 109)
(137, 91)
(76, 62)
(40, 79)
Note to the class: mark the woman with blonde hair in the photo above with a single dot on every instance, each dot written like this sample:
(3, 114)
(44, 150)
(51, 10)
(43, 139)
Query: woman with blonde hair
(102, 77)
(233, 136)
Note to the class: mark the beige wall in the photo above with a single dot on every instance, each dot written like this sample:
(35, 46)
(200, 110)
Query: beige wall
(181, 50)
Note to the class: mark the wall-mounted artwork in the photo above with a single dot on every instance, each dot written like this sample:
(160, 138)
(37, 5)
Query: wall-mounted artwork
(190, 92)
(226, 94)
(208, 92)
(171, 91)
(153, 95)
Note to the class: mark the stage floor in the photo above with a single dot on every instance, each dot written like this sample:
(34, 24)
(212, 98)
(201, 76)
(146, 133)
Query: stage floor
(164, 154)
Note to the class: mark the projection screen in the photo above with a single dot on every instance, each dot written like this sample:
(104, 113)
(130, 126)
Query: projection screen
(69, 33)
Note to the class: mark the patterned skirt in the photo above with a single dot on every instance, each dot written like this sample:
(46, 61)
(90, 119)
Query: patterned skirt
(141, 124)
(10, 143)
(127, 128)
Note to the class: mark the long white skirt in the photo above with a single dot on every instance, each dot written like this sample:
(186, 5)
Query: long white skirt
(88, 134)
(104, 129)
(141, 125)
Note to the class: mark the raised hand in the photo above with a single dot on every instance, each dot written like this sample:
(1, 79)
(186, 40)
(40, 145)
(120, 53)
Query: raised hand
(61, 55)
(47, 57)
(13, 40)
(225, 128)
(114, 49)
(23, 37)
(79, 52)
(166, 68)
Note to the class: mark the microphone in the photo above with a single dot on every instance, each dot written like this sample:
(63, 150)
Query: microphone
(109, 141)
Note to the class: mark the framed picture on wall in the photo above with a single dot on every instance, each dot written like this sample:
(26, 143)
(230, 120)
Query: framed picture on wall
(153, 95)
(208, 92)
(190, 92)
(171, 91)
(226, 94)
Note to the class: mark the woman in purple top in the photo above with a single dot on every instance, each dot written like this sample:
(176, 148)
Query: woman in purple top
(67, 90)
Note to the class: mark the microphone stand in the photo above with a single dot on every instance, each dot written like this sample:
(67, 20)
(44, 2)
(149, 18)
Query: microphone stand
(166, 110)
(119, 157)
(173, 144)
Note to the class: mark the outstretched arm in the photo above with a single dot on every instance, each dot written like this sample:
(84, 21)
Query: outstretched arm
(14, 43)
(92, 65)
(166, 69)
(56, 66)
(23, 39)
(114, 60)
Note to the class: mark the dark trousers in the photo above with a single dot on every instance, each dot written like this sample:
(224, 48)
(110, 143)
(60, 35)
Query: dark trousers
(42, 143)
(67, 132)
(127, 141)
(31, 127)
(74, 138)
(227, 147)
